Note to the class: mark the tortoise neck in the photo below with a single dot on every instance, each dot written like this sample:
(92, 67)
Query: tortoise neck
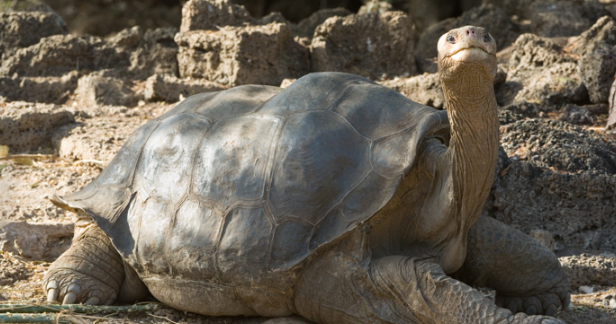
(473, 148)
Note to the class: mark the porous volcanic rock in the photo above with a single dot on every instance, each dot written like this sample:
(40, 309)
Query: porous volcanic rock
(95, 89)
(168, 88)
(213, 14)
(539, 71)
(587, 269)
(242, 55)
(560, 178)
(60, 54)
(25, 28)
(25, 126)
(564, 18)
(425, 89)
(156, 53)
(372, 45)
(39, 89)
(598, 58)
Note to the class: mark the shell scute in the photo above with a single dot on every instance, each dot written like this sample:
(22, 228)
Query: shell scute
(168, 156)
(244, 245)
(233, 161)
(319, 158)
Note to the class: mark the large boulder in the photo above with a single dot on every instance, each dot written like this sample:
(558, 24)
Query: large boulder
(213, 14)
(597, 65)
(25, 28)
(372, 45)
(60, 54)
(539, 71)
(95, 89)
(151, 52)
(39, 89)
(262, 54)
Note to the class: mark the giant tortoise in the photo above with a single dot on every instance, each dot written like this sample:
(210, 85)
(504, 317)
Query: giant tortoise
(336, 199)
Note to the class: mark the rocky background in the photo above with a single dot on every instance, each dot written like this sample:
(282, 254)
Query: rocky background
(77, 77)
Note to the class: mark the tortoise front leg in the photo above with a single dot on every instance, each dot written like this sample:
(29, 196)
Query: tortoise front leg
(92, 271)
(526, 275)
(338, 288)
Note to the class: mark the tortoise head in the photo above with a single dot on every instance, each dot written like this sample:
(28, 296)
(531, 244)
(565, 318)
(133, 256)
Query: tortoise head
(467, 54)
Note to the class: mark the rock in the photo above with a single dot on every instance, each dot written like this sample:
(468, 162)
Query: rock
(26, 126)
(586, 269)
(598, 58)
(540, 72)
(557, 84)
(94, 89)
(36, 241)
(127, 38)
(169, 89)
(577, 115)
(242, 55)
(490, 17)
(306, 27)
(597, 68)
(560, 178)
(39, 89)
(60, 54)
(378, 46)
(564, 18)
(156, 54)
(425, 89)
(214, 14)
(23, 29)
(603, 31)
(543, 237)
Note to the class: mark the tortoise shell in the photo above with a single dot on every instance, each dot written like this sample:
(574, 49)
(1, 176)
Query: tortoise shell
(242, 183)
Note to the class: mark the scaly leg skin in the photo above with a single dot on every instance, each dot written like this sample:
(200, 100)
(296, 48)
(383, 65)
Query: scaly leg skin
(91, 271)
(338, 288)
(526, 275)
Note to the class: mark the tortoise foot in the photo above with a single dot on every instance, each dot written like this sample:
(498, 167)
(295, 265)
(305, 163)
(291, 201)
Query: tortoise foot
(546, 303)
(91, 271)
(71, 287)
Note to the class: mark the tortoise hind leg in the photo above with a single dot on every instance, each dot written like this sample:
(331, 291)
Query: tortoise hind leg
(91, 271)
(338, 288)
(526, 275)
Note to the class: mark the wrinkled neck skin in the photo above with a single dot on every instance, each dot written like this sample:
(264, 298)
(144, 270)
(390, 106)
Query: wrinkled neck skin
(443, 194)
(471, 156)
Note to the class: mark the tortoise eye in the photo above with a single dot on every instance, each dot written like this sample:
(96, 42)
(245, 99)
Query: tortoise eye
(486, 37)
(451, 39)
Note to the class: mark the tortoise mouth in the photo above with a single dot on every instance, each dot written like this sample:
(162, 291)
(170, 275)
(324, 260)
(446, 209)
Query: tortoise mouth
(469, 54)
